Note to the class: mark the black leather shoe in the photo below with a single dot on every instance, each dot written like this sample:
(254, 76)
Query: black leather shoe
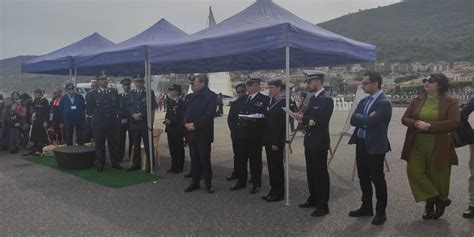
(231, 177)
(441, 205)
(178, 171)
(99, 168)
(191, 187)
(238, 186)
(429, 210)
(469, 212)
(189, 175)
(379, 219)
(275, 198)
(117, 167)
(361, 212)
(209, 190)
(306, 205)
(133, 168)
(265, 197)
(255, 189)
(320, 212)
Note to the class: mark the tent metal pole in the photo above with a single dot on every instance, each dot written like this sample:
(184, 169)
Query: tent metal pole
(287, 124)
(70, 74)
(75, 77)
(149, 111)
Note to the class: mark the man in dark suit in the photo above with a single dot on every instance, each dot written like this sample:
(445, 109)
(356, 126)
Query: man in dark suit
(235, 126)
(199, 123)
(469, 212)
(175, 128)
(251, 144)
(371, 119)
(124, 123)
(72, 106)
(137, 113)
(274, 136)
(315, 121)
(103, 109)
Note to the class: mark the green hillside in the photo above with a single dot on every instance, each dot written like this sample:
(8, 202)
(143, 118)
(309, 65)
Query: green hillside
(414, 30)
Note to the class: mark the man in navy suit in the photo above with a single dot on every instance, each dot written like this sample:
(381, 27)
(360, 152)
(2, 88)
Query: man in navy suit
(315, 120)
(371, 119)
(73, 107)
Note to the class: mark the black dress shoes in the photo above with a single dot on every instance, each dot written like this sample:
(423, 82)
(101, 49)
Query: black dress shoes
(266, 197)
(178, 171)
(320, 212)
(231, 177)
(275, 198)
(189, 175)
(306, 205)
(117, 167)
(469, 212)
(379, 219)
(209, 190)
(255, 189)
(191, 187)
(361, 212)
(441, 205)
(99, 168)
(133, 168)
(238, 186)
(429, 210)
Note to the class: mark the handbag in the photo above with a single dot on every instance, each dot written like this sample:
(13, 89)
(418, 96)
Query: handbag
(463, 135)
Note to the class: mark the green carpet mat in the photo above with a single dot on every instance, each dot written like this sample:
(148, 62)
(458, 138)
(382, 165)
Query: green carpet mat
(112, 178)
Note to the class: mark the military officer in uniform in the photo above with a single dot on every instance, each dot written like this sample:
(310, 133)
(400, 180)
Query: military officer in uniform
(251, 144)
(103, 109)
(316, 143)
(274, 137)
(137, 113)
(124, 123)
(234, 125)
(40, 120)
(175, 128)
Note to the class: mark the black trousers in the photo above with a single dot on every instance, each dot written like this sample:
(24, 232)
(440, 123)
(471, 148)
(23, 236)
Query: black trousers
(275, 169)
(370, 171)
(318, 177)
(176, 146)
(201, 162)
(122, 141)
(249, 150)
(39, 137)
(69, 129)
(140, 135)
(101, 135)
(88, 132)
(235, 151)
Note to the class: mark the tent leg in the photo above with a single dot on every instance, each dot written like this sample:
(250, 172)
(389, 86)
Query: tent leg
(21, 82)
(287, 132)
(70, 74)
(74, 79)
(149, 111)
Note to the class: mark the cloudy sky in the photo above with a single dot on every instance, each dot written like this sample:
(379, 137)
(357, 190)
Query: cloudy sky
(35, 27)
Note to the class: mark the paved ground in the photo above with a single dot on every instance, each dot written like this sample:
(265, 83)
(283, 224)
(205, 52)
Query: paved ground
(36, 200)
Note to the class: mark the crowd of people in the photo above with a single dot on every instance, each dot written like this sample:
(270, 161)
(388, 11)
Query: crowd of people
(255, 121)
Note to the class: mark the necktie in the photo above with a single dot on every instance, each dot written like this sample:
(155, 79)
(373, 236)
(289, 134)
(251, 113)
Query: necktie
(361, 131)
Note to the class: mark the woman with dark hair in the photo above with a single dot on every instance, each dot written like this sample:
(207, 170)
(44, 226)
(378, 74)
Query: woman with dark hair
(429, 147)
(12, 126)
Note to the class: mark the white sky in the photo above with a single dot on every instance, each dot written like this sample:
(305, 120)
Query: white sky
(36, 27)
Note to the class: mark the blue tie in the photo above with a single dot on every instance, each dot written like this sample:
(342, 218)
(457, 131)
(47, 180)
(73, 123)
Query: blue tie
(361, 131)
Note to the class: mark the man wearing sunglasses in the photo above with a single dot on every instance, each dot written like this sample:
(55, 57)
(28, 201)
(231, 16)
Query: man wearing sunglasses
(73, 106)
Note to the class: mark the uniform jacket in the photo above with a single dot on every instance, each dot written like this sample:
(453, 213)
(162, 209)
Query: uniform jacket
(448, 121)
(253, 128)
(123, 106)
(275, 120)
(233, 121)
(103, 107)
(174, 113)
(376, 127)
(137, 104)
(201, 110)
(316, 122)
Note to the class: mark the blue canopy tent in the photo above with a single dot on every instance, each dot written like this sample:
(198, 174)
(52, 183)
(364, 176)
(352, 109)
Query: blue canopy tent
(130, 57)
(61, 61)
(260, 37)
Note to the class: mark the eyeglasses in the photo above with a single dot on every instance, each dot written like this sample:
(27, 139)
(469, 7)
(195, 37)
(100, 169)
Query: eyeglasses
(430, 80)
(70, 88)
